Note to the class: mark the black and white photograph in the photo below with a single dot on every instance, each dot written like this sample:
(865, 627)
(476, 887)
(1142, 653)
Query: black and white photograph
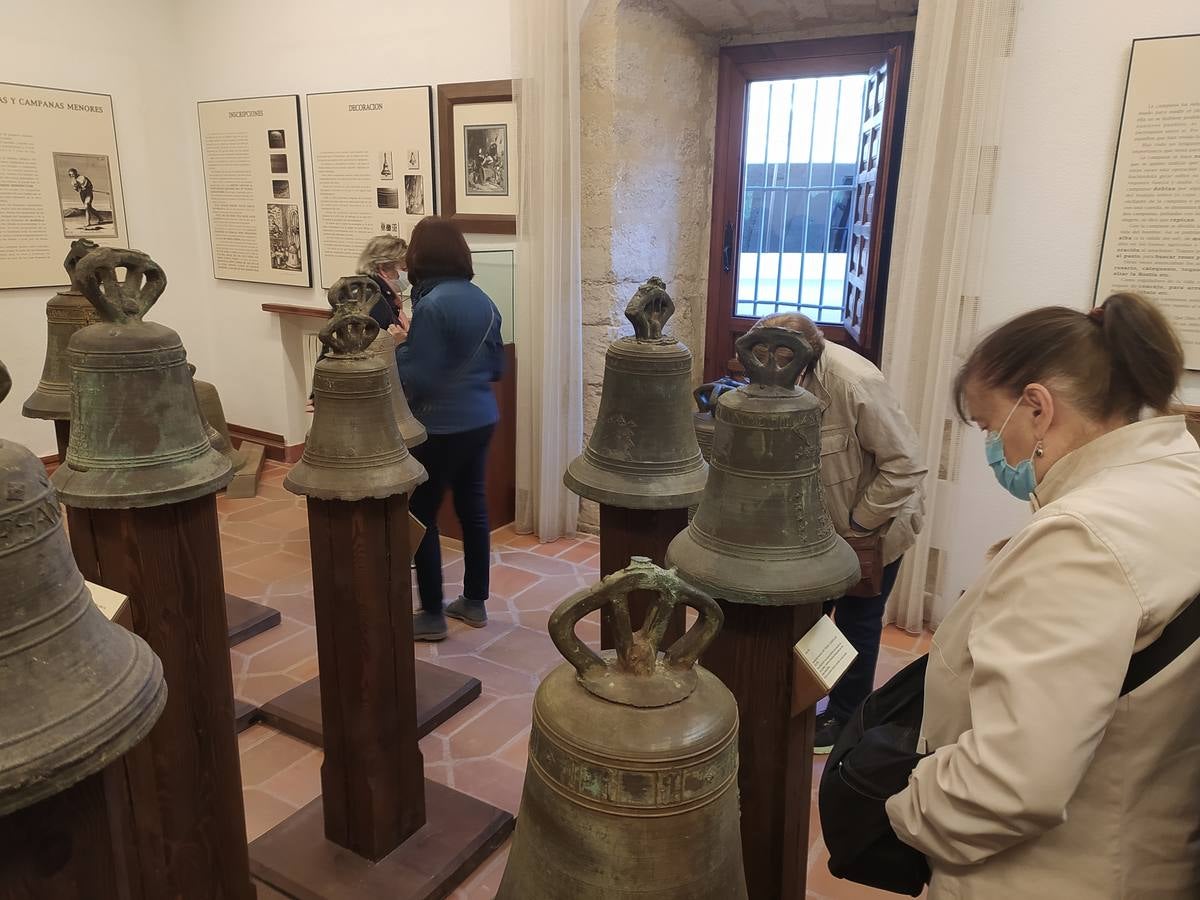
(414, 160)
(386, 172)
(414, 195)
(283, 226)
(279, 164)
(84, 183)
(486, 160)
(281, 188)
(276, 138)
(387, 198)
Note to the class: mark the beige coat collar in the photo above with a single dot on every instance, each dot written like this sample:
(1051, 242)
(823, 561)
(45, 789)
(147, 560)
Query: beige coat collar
(1149, 439)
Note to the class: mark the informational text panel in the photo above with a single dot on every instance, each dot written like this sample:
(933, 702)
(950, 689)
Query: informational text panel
(372, 158)
(59, 181)
(1152, 234)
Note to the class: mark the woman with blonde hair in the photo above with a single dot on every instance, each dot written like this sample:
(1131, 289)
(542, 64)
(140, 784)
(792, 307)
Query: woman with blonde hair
(383, 260)
(1043, 779)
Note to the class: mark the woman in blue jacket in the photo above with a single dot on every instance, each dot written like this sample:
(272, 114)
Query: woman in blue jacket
(451, 355)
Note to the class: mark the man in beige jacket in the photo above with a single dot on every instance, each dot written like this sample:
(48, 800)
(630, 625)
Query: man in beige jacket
(872, 477)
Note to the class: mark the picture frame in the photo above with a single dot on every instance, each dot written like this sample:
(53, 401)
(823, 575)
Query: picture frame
(477, 155)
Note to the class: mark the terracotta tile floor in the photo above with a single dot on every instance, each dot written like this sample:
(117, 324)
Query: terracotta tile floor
(482, 750)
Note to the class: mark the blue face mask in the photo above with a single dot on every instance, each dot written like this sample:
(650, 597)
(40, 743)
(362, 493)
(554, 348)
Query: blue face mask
(1018, 480)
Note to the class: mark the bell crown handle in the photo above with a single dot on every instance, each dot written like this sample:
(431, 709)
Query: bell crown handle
(120, 300)
(776, 369)
(79, 249)
(650, 310)
(360, 289)
(351, 330)
(706, 395)
(637, 662)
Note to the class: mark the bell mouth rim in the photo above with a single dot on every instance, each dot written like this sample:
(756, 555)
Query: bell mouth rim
(320, 482)
(677, 491)
(792, 570)
(106, 488)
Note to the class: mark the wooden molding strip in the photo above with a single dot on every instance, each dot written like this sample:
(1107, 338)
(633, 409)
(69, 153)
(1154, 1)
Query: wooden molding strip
(273, 443)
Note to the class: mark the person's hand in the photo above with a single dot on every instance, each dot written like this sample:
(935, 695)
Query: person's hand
(399, 334)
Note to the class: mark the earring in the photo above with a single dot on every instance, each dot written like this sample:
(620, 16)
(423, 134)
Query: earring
(1039, 451)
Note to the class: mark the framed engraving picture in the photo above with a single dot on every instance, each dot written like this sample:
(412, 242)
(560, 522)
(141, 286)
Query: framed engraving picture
(477, 145)
(254, 185)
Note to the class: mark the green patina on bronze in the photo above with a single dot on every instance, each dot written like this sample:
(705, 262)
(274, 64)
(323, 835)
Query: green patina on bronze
(642, 453)
(761, 534)
(631, 788)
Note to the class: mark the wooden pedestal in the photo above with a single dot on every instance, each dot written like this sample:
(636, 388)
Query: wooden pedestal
(75, 845)
(373, 832)
(441, 694)
(188, 819)
(625, 533)
(752, 655)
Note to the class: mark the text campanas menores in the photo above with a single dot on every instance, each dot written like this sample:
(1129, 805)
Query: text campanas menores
(53, 104)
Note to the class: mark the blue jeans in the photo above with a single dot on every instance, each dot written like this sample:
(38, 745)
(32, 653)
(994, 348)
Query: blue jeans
(860, 619)
(457, 462)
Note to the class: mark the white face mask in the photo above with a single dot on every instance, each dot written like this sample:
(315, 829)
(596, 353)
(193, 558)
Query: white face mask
(399, 284)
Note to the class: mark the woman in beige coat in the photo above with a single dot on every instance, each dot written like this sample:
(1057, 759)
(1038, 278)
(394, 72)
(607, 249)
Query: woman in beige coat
(1043, 782)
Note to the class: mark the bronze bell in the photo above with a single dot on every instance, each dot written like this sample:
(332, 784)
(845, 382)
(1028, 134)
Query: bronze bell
(631, 786)
(411, 430)
(137, 438)
(703, 421)
(66, 312)
(354, 448)
(213, 415)
(76, 691)
(643, 452)
(761, 534)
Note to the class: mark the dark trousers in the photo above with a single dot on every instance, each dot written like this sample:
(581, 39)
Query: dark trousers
(860, 619)
(457, 462)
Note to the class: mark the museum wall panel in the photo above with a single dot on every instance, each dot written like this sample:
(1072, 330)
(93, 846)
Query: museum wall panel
(252, 49)
(1057, 142)
(77, 46)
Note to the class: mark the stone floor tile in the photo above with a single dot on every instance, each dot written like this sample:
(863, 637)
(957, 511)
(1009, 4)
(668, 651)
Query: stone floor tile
(532, 562)
(489, 780)
(547, 593)
(501, 679)
(299, 783)
(263, 812)
(244, 586)
(505, 581)
(493, 730)
(267, 758)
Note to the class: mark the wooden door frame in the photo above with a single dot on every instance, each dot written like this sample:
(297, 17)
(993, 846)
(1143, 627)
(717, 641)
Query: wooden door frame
(737, 67)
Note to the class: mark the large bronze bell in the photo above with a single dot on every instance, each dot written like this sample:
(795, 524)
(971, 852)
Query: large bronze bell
(76, 691)
(643, 452)
(631, 787)
(137, 438)
(66, 312)
(411, 430)
(761, 534)
(354, 449)
(213, 415)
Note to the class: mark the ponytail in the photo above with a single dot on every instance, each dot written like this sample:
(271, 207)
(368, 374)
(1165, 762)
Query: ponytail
(1115, 361)
(1146, 353)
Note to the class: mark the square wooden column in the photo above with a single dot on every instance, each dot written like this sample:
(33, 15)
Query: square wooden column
(379, 829)
(189, 823)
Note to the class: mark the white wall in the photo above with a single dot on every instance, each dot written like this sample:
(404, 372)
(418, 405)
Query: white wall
(157, 59)
(1064, 93)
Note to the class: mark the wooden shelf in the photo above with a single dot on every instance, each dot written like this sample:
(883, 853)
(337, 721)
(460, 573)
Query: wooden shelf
(283, 309)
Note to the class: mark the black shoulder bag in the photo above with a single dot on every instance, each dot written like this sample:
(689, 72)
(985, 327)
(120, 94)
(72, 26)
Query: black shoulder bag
(877, 751)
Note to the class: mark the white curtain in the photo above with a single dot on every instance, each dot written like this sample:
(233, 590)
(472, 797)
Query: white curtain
(942, 215)
(545, 39)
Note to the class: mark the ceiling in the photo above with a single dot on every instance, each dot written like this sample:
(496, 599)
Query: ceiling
(731, 17)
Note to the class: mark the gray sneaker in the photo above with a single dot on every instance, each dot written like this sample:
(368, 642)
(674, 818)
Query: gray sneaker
(429, 627)
(469, 611)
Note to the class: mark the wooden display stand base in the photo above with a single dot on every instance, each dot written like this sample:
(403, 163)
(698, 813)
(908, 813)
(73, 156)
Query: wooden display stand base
(625, 533)
(441, 694)
(459, 833)
(72, 846)
(379, 828)
(184, 779)
(247, 619)
(752, 655)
